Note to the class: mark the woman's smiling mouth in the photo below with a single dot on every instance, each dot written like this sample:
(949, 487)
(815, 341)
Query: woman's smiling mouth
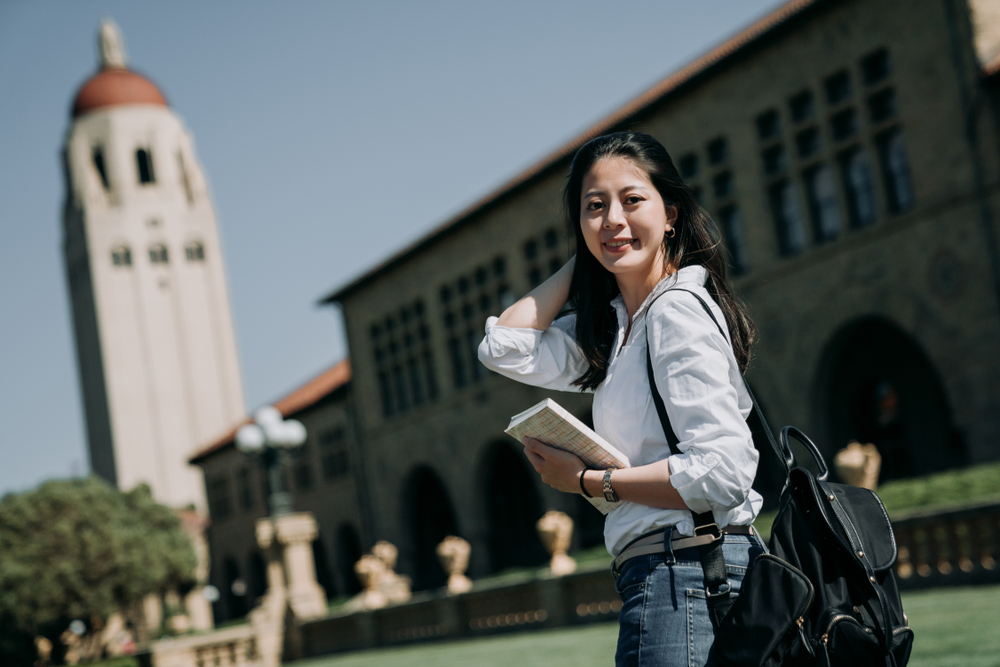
(618, 244)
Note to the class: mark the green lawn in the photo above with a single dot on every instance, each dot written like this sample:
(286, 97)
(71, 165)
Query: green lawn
(954, 627)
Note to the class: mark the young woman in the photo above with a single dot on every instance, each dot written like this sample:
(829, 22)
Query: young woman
(641, 238)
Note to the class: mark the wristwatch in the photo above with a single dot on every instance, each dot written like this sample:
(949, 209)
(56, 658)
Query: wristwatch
(609, 493)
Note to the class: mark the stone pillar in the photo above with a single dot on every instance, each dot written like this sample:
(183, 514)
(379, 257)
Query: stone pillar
(199, 609)
(268, 617)
(296, 533)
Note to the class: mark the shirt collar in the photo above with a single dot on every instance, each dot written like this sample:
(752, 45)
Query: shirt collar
(694, 275)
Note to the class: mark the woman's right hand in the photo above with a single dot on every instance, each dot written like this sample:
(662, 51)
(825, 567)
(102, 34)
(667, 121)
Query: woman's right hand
(539, 307)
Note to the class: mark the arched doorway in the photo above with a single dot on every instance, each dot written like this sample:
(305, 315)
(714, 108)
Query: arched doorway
(348, 553)
(257, 578)
(881, 388)
(512, 509)
(431, 520)
(235, 591)
(324, 577)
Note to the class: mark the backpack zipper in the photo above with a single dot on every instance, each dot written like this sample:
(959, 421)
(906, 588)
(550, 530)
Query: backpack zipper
(825, 637)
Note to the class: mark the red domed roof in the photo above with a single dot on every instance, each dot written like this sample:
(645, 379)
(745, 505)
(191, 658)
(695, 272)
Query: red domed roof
(116, 86)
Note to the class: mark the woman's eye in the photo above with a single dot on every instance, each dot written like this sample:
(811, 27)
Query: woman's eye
(594, 206)
(633, 200)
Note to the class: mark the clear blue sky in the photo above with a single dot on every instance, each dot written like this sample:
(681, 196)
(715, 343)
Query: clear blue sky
(332, 133)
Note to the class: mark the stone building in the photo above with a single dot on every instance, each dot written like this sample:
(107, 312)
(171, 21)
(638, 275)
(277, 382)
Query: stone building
(848, 150)
(154, 334)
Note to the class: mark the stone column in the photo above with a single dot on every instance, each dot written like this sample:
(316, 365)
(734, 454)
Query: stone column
(296, 533)
(268, 617)
(199, 609)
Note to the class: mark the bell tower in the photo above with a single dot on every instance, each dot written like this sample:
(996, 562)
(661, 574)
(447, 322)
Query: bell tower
(154, 333)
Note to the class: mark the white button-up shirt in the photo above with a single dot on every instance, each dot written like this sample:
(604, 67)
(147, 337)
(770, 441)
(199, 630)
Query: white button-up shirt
(699, 380)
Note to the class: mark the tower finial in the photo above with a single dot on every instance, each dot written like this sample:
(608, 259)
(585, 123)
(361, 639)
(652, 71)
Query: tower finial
(111, 45)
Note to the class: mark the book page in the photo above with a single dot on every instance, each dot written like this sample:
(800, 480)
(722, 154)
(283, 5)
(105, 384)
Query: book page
(552, 424)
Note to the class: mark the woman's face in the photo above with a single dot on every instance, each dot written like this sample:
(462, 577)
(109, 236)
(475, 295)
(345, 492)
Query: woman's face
(624, 218)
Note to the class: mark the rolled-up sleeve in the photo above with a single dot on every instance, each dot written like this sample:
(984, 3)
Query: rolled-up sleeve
(701, 386)
(549, 359)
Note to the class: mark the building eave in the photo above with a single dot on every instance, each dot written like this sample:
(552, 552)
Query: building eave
(309, 394)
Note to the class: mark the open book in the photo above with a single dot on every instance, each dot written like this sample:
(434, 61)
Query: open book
(552, 424)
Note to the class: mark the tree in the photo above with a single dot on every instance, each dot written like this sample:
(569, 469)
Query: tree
(82, 549)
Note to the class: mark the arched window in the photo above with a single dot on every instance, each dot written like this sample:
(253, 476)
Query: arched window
(144, 161)
(195, 251)
(121, 256)
(98, 156)
(158, 254)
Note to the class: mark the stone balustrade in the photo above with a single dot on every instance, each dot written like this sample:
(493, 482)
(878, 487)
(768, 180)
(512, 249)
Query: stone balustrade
(949, 547)
(581, 597)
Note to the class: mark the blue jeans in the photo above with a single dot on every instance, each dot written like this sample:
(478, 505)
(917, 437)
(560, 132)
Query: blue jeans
(664, 620)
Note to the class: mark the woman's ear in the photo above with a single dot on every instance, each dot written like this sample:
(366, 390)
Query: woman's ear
(671, 211)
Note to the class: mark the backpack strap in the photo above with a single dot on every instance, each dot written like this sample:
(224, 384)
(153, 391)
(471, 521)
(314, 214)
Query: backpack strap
(716, 580)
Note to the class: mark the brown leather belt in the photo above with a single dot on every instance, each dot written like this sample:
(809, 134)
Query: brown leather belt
(653, 543)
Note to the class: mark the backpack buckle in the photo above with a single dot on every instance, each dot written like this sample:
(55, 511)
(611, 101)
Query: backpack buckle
(722, 591)
(712, 530)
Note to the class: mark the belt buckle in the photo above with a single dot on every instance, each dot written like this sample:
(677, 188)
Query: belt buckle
(712, 530)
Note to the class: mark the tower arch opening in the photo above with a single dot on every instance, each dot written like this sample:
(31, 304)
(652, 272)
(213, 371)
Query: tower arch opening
(431, 519)
(877, 385)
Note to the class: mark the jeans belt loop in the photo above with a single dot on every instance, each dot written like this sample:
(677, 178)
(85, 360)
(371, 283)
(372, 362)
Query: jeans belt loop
(668, 547)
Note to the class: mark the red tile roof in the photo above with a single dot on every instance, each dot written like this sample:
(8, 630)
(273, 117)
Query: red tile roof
(673, 83)
(309, 394)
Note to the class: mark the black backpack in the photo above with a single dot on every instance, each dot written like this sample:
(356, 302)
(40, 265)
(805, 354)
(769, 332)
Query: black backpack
(826, 594)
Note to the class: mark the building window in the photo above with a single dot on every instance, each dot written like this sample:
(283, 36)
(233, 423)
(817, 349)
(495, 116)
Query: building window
(467, 303)
(768, 125)
(219, 502)
(688, 165)
(787, 217)
(97, 154)
(722, 185)
(403, 359)
(158, 254)
(807, 142)
(882, 105)
(821, 188)
(718, 151)
(735, 238)
(857, 176)
(121, 256)
(144, 161)
(243, 487)
(895, 170)
(303, 469)
(544, 256)
(838, 87)
(876, 67)
(775, 160)
(844, 124)
(802, 106)
(333, 453)
(195, 251)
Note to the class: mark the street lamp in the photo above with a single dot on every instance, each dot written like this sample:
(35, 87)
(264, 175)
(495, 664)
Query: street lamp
(272, 438)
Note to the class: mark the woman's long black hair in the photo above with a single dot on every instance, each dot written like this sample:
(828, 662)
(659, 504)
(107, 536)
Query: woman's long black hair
(695, 241)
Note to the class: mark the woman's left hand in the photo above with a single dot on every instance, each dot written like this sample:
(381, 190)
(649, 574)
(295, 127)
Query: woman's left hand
(558, 469)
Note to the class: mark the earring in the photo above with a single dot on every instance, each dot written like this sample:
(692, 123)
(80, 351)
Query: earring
(670, 233)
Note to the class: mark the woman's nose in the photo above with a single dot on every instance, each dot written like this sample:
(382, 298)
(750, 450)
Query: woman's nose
(616, 216)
